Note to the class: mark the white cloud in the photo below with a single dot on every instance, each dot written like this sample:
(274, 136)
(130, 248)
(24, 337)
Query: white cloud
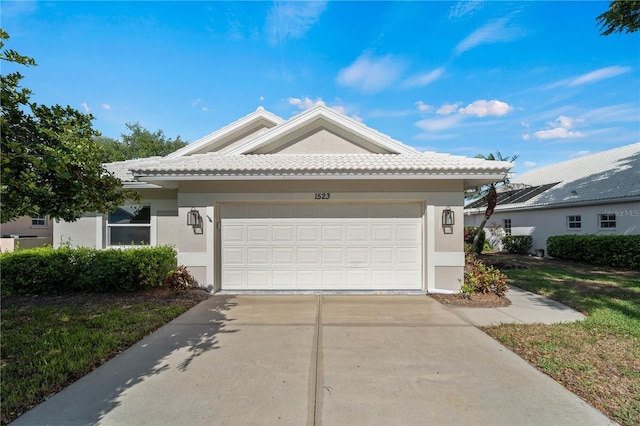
(292, 19)
(463, 8)
(371, 74)
(261, 98)
(483, 108)
(597, 75)
(579, 154)
(422, 107)
(196, 102)
(85, 106)
(560, 129)
(447, 109)
(492, 32)
(424, 79)
(526, 136)
(438, 124)
(205, 109)
(303, 104)
(106, 107)
(590, 77)
(529, 163)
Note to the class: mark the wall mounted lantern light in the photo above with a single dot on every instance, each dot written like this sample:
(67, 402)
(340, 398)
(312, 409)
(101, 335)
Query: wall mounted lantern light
(194, 219)
(448, 217)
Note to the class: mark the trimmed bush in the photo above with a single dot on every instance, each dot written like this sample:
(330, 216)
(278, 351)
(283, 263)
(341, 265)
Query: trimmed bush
(480, 278)
(46, 270)
(517, 243)
(600, 250)
(469, 233)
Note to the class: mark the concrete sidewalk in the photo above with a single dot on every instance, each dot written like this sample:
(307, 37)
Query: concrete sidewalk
(317, 359)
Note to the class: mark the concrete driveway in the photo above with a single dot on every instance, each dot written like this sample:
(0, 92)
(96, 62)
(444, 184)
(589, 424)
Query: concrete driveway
(316, 359)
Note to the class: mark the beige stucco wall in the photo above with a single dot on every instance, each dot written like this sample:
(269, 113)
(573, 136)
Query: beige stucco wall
(449, 278)
(23, 226)
(543, 223)
(81, 233)
(321, 142)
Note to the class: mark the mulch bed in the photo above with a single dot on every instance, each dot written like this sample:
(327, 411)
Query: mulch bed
(474, 301)
(159, 296)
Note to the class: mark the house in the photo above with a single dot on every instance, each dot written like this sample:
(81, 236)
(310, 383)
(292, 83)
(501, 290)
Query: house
(594, 194)
(25, 232)
(316, 202)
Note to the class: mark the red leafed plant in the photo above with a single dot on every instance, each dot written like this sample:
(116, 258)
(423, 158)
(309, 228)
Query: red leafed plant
(179, 279)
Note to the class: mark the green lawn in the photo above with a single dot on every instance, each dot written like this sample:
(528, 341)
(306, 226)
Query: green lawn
(50, 342)
(598, 358)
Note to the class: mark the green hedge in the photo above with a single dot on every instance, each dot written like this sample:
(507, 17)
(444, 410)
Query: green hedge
(517, 243)
(600, 250)
(470, 232)
(58, 271)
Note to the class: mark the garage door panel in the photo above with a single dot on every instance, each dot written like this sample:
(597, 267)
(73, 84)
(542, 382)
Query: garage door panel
(283, 256)
(321, 246)
(258, 256)
(332, 233)
(332, 256)
(282, 233)
(383, 255)
(308, 233)
(308, 255)
(357, 233)
(234, 233)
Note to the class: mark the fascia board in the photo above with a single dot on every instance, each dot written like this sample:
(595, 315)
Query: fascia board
(308, 117)
(227, 130)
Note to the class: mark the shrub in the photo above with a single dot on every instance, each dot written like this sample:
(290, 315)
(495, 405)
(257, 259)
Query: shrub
(517, 243)
(66, 270)
(600, 250)
(469, 233)
(179, 279)
(480, 278)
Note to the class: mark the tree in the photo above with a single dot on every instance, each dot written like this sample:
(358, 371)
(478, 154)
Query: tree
(489, 191)
(138, 143)
(622, 16)
(49, 161)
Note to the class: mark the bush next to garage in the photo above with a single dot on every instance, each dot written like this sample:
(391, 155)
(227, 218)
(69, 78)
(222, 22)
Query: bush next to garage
(600, 250)
(46, 271)
(517, 243)
(469, 233)
(480, 278)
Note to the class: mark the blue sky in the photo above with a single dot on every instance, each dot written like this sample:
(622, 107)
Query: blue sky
(529, 78)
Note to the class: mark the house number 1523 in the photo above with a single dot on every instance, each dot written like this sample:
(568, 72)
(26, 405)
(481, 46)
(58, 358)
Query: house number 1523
(322, 195)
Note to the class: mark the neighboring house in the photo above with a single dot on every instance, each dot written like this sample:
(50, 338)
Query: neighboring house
(316, 202)
(594, 194)
(26, 232)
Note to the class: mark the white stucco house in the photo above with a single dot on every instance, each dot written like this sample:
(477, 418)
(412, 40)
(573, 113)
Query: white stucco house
(594, 194)
(316, 202)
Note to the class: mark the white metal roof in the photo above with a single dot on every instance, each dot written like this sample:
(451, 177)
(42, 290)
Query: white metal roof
(608, 176)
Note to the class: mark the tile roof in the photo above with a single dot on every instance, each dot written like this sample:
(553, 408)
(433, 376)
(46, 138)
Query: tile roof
(215, 164)
(612, 175)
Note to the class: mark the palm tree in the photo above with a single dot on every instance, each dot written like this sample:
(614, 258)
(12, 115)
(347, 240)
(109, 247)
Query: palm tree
(489, 191)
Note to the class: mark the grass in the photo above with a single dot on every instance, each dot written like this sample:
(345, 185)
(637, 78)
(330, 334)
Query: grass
(50, 342)
(598, 358)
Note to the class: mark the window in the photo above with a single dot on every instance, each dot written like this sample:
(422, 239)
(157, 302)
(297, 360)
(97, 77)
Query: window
(607, 221)
(574, 222)
(129, 225)
(38, 221)
(506, 224)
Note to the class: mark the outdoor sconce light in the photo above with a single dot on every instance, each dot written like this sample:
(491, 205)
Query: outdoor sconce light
(448, 217)
(194, 219)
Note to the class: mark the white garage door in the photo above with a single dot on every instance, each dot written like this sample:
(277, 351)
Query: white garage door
(321, 246)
